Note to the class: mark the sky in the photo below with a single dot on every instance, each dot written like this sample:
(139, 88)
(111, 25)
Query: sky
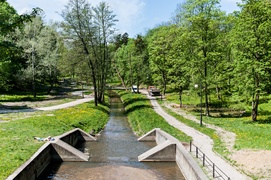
(134, 16)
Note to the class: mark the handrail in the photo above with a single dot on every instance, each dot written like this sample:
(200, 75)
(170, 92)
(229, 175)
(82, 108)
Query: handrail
(206, 162)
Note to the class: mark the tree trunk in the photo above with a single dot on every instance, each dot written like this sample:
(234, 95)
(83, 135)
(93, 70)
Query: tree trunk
(206, 90)
(180, 96)
(122, 80)
(255, 103)
(34, 75)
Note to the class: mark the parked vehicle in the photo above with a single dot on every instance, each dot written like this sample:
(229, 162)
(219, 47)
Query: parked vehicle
(153, 91)
(134, 89)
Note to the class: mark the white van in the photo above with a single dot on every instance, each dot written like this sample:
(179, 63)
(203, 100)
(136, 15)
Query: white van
(134, 89)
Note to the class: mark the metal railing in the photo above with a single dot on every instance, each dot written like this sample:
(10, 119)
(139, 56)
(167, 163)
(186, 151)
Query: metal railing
(207, 163)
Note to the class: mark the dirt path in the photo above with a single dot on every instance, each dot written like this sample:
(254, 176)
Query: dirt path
(227, 137)
(254, 162)
(7, 114)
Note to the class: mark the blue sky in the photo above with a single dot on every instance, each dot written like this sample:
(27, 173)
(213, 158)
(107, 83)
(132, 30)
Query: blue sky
(135, 16)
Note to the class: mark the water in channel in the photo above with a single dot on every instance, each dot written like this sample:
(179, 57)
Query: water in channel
(114, 155)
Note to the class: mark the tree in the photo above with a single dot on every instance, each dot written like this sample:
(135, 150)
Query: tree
(93, 28)
(121, 63)
(161, 53)
(104, 22)
(120, 40)
(29, 42)
(202, 19)
(120, 56)
(141, 64)
(251, 38)
(10, 60)
(48, 48)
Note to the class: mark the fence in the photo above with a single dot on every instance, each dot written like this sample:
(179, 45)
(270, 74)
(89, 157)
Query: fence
(207, 163)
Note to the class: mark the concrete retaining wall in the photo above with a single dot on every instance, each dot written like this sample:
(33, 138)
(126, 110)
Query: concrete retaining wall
(61, 149)
(168, 145)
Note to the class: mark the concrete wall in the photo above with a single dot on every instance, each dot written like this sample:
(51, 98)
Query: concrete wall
(184, 160)
(61, 149)
(74, 136)
(32, 168)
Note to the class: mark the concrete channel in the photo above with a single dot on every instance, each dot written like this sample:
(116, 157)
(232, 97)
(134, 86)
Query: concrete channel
(170, 149)
(116, 153)
(62, 150)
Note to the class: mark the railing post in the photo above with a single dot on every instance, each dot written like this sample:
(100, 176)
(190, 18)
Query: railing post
(213, 170)
(203, 160)
(190, 149)
(197, 152)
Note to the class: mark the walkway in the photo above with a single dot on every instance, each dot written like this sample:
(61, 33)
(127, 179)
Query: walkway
(50, 108)
(204, 142)
(66, 105)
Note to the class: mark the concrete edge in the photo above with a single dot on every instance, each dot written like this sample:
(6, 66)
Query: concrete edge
(186, 163)
(85, 135)
(67, 152)
(29, 161)
(50, 151)
(150, 136)
(162, 152)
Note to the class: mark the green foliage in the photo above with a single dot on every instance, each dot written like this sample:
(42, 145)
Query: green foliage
(92, 28)
(251, 38)
(219, 146)
(8, 16)
(17, 143)
(165, 56)
(249, 135)
(16, 98)
(143, 118)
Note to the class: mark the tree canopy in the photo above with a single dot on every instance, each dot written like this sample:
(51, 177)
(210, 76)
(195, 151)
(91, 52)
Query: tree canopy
(228, 54)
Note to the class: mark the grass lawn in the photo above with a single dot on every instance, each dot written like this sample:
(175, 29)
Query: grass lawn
(143, 118)
(249, 135)
(17, 143)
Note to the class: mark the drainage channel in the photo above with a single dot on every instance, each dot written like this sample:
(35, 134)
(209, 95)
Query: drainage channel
(115, 155)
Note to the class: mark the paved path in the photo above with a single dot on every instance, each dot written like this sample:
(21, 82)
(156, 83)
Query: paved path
(66, 105)
(50, 108)
(204, 142)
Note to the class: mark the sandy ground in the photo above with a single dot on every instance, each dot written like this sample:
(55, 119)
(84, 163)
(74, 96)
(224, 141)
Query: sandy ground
(255, 163)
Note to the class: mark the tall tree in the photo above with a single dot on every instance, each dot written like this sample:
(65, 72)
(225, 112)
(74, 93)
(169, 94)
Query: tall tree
(121, 63)
(251, 37)
(202, 19)
(93, 28)
(10, 54)
(161, 46)
(49, 44)
(29, 41)
(104, 22)
(141, 64)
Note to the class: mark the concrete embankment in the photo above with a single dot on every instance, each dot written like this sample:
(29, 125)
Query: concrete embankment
(61, 149)
(170, 149)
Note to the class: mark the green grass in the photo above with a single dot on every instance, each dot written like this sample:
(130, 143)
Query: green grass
(17, 143)
(22, 97)
(219, 146)
(249, 135)
(143, 118)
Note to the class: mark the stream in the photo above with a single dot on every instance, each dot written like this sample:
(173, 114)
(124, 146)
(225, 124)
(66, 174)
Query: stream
(114, 155)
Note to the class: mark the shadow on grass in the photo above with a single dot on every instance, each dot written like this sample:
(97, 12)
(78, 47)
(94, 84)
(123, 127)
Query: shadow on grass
(222, 112)
(260, 121)
(134, 100)
(101, 108)
(137, 107)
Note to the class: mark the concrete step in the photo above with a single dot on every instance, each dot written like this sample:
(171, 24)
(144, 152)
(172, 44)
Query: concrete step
(165, 151)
